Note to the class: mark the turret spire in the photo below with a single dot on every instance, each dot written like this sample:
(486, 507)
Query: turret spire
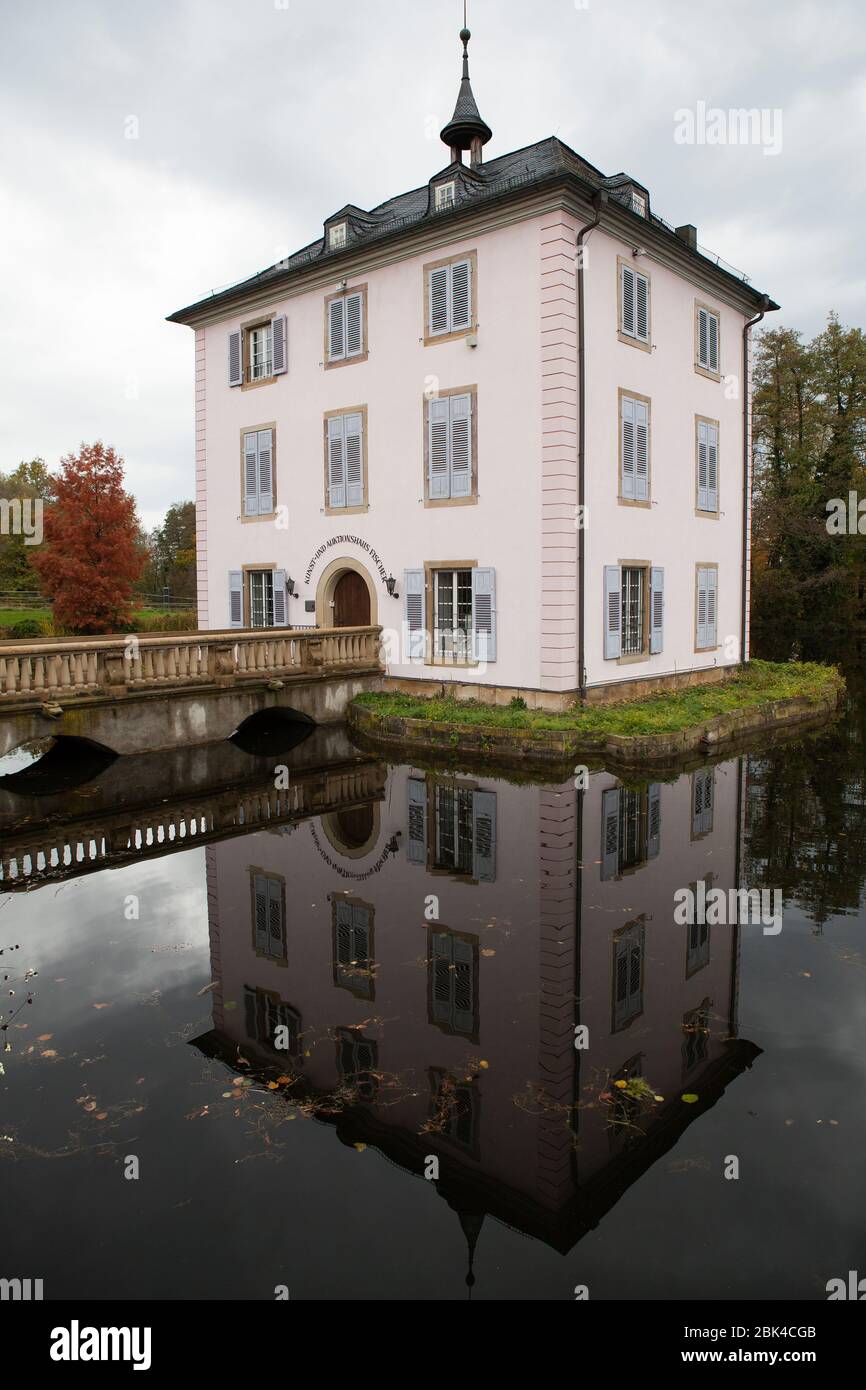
(466, 130)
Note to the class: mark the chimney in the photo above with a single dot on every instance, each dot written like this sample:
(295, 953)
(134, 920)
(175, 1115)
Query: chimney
(689, 235)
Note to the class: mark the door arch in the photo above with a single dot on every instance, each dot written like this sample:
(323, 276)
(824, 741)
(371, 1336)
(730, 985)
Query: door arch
(333, 606)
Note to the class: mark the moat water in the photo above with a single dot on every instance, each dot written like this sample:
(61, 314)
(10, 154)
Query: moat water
(389, 1032)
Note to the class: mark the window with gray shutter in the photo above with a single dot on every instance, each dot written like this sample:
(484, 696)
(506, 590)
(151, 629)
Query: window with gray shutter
(346, 326)
(706, 604)
(703, 797)
(416, 816)
(353, 953)
(634, 449)
(452, 976)
(708, 340)
(258, 451)
(449, 446)
(634, 303)
(708, 467)
(628, 974)
(449, 298)
(269, 916)
(346, 460)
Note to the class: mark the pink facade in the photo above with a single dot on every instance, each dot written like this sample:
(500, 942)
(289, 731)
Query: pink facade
(402, 400)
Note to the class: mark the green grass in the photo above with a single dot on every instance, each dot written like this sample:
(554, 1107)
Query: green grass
(761, 684)
(144, 619)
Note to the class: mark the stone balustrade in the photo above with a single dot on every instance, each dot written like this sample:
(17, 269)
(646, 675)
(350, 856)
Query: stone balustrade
(40, 671)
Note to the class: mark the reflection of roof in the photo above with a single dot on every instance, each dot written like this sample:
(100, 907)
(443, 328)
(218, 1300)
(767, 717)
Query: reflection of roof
(508, 176)
(473, 1193)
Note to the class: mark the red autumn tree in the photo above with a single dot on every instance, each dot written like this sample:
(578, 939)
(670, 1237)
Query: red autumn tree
(91, 557)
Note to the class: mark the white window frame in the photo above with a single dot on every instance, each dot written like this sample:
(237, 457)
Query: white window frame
(446, 195)
(337, 236)
(261, 349)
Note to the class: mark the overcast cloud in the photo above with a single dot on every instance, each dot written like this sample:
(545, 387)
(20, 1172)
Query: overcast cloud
(258, 118)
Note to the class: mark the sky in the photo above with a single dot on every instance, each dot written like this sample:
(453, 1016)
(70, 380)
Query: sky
(150, 152)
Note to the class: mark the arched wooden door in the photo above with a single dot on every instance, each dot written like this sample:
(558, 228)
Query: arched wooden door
(351, 601)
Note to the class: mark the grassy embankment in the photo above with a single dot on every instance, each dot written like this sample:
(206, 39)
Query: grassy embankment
(762, 683)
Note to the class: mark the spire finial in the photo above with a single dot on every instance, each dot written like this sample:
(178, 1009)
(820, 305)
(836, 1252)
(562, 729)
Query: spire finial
(466, 130)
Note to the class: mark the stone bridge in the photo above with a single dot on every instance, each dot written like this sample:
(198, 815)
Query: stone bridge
(147, 805)
(138, 694)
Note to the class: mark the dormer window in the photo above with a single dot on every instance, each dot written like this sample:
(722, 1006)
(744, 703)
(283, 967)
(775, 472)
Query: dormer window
(337, 236)
(445, 196)
(638, 202)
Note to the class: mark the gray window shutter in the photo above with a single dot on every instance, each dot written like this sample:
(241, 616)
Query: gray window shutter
(712, 577)
(336, 331)
(628, 446)
(641, 451)
(251, 477)
(654, 820)
(266, 471)
(461, 295)
(657, 611)
(702, 639)
(612, 612)
(416, 841)
(628, 306)
(442, 961)
(703, 468)
(354, 447)
(336, 462)
(461, 446)
(236, 358)
(276, 935)
(413, 588)
(279, 345)
(713, 343)
(712, 468)
(703, 337)
(343, 915)
(641, 307)
(260, 889)
(438, 294)
(484, 836)
(236, 598)
(280, 603)
(439, 417)
(484, 615)
(702, 801)
(610, 832)
(463, 986)
(628, 975)
(354, 324)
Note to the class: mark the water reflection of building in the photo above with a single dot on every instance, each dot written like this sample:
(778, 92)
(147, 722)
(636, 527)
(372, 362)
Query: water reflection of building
(431, 954)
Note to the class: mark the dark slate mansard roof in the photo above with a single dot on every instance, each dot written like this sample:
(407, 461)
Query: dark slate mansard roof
(549, 160)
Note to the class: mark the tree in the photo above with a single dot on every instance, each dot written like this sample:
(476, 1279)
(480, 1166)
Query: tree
(171, 562)
(31, 481)
(809, 412)
(91, 557)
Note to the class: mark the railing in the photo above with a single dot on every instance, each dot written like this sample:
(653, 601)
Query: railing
(39, 670)
(35, 854)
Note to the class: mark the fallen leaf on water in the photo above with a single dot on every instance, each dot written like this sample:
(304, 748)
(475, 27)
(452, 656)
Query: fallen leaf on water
(283, 1080)
(212, 985)
(488, 952)
(621, 1084)
(45, 1037)
(689, 1098)
(91, 1105)
(227, 1095)
(102, 1006)
(103, 1115)
(359, 1147)
(49, 1052)
(272, 1086)
(232, 1004)
(484, 1065)
(658, 1098)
